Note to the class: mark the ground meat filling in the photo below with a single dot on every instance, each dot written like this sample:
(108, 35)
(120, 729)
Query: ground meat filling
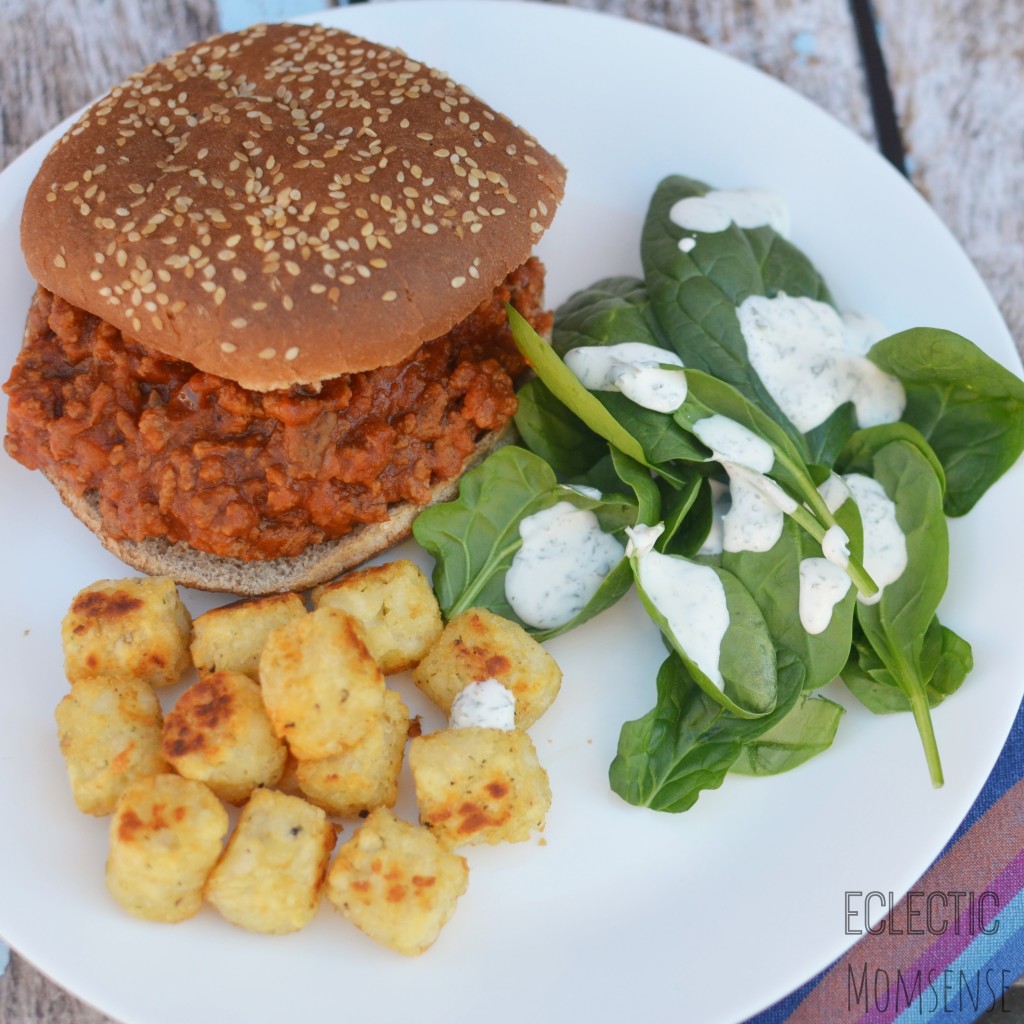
(173, 452)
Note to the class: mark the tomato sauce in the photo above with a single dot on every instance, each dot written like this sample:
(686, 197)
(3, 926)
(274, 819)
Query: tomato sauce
(174, 452)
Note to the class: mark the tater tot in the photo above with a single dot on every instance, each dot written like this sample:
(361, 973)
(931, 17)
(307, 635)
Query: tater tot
(366, 775)
(321, 687)
(479, 785)
(110, 733)
(395, 605)
(479, 645)
(396, 883)
(132, 627)
(166, 834)
(270, 877)
(232, 637)
(219, 733)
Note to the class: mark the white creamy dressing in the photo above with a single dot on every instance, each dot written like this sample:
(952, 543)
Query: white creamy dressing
(834, 492)
(585, 490)
(633, 368)
(808, 360)
(564, 558)
(822, 586)
(757, 514)
(689, 597)
(885, 545)
(835, 546)
(716, 210)
(755, 518)
(487, 704)
(730, 441)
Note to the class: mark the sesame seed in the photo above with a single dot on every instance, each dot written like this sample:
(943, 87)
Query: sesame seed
(226, 346)
(239, 323)
(389, 296)
(291, 353)
(267, 353)
(458, 282)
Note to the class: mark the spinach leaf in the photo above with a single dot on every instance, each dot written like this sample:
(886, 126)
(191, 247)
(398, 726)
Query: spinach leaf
(610, 311)
(688, 742)
(594, 410)
(744, 676)
(694, 294)
(551, 431)
(474, 538)
(773, 578)
(825, 442)
(784, 268)
(686, 512)
(640, 482)
(946, 661)
(968, 406)
(664, 441)
(860, 448)
(707, 396)
(896, 625)
(807, 730)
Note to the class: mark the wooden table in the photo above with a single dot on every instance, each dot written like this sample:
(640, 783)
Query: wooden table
(953, 111)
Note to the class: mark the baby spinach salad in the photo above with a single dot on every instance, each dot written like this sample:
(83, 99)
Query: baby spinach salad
(770, 474)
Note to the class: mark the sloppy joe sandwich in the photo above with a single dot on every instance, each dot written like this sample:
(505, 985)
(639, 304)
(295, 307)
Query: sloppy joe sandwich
(270, 320)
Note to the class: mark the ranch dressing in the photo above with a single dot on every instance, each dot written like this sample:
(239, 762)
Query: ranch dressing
(564, 558)
(632, 368)
(716, 210)
(755, 519)
(688, 596)
(834, 492)
(822, 586)
(487, 704)
(885, 545)
(732, 442)
(804, 355)
(835, 546)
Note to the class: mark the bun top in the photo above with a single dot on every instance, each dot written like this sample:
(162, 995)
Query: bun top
(285, 204)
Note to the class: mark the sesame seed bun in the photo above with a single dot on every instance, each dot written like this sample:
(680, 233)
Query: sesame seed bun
(285, 204)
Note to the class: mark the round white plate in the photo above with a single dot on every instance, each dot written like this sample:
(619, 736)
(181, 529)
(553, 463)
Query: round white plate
(619, 911)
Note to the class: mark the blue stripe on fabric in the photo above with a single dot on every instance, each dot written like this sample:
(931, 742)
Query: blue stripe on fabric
(969, 984)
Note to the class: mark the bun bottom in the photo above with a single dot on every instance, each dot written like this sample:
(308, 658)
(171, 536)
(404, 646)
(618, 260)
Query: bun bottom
(317, 564)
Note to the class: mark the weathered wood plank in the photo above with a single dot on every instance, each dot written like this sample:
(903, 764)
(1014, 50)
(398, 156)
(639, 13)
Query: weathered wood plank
(958, 80)
(27, 997)
(59, 55)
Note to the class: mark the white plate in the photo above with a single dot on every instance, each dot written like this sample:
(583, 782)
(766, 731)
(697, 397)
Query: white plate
(621, 911)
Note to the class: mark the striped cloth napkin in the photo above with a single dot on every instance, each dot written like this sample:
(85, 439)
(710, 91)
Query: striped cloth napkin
(954, 945)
